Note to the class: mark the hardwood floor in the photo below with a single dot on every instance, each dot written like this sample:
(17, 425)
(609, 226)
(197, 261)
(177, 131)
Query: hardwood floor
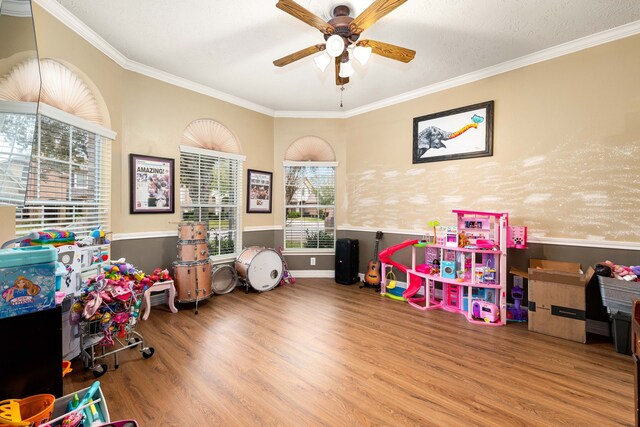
(320, 353)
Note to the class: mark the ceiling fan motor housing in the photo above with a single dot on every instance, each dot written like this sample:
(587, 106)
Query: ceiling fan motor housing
(340, 22)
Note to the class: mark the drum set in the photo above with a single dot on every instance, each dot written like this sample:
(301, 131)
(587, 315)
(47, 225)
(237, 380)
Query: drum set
(197, 280)
(260, 268)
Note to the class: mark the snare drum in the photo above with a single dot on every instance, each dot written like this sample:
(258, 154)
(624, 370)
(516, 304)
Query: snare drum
(223, 279)
(260, 267)
(192, 230)
(192, 250)
(192, 276)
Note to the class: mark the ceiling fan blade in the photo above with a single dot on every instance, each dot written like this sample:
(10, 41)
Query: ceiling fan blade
(340, 80)
(286, 60)
(297, 11)
(389, 50)
(374, 12)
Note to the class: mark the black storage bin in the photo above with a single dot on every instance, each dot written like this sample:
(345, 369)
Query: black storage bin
(621, 328)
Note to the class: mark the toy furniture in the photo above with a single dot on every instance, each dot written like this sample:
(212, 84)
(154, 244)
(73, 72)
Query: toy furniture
(169, 289)
(472, 280)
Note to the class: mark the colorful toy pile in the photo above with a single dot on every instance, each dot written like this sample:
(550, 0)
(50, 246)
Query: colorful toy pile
(51, 237)
(111, 301)
(620, 272)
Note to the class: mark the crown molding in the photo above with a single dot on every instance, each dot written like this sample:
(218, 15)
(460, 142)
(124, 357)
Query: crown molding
(67, 18)
(311, 114)
(71, 21)
(573, 46)
(56, 10)
(163, 76)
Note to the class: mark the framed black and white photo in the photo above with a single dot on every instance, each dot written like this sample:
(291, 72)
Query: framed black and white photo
(460, 133)
(152, 184)
(259, 191)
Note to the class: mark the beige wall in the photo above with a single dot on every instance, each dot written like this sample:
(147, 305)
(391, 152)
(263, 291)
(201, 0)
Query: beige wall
(149, 117)
(566, 145)
(155, 114)
(17, 36)
(566, 150)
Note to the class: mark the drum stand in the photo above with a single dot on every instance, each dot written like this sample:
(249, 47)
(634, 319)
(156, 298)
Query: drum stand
(197, 295)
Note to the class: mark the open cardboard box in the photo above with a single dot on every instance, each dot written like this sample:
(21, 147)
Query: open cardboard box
(557, 298)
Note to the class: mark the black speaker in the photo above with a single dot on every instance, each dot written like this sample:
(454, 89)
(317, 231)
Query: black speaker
(346, 269)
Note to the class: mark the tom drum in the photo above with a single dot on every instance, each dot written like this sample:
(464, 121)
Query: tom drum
(192, 230)
(260, 267)
(192, 279)
(192, 250)
(223, 279)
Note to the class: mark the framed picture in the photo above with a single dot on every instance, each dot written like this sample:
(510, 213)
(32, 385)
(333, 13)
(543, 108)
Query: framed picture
(461, 133)
(258, 191)
(151, 184)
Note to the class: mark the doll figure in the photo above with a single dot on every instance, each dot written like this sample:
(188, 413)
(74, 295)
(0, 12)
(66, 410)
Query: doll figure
(22, 287)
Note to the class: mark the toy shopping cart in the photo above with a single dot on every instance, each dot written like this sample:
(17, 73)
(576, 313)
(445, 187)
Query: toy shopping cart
(109, 319)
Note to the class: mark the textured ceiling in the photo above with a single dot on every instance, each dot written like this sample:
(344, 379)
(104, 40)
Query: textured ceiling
(229, 46)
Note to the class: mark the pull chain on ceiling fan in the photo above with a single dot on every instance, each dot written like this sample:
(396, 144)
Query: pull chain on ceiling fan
(341, 34)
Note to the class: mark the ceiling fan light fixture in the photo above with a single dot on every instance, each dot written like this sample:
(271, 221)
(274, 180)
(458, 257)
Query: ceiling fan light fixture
(346, 69)
(322, 61)
(362, 54)
(335, 46)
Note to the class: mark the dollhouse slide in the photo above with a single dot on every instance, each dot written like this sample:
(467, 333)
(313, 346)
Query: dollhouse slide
(385, 257)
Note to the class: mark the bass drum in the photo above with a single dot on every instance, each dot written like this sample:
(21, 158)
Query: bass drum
(192, 280)
(192, 230)
(260, 267)
(223, 279)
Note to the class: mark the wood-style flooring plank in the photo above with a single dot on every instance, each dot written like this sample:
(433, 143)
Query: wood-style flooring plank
(320, 353)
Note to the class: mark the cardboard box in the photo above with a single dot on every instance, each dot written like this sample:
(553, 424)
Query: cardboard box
(557, 299)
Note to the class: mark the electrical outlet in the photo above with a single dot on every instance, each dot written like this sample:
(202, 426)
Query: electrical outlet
(312, 260)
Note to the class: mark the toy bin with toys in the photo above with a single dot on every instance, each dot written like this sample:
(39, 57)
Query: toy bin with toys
(27, 279)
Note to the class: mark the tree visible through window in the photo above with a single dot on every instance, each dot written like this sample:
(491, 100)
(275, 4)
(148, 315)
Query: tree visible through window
(310, 205)
(68, 179)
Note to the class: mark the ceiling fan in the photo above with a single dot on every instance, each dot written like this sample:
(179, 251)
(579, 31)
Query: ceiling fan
(341, 34)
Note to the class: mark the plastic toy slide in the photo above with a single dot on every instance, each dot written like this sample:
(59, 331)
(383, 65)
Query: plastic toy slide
(385, 256)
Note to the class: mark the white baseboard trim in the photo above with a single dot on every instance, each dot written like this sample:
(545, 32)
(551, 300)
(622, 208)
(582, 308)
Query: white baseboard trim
(324, 274)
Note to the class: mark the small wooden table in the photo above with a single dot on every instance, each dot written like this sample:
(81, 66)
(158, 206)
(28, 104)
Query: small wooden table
(167, 285)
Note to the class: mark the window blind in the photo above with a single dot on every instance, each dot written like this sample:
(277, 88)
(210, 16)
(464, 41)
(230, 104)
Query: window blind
(309, 205)
(69, 180)
(16, 141)
(211, 191)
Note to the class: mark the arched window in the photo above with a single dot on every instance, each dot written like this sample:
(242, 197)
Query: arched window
(310, 194)
(67, 170)
(210, 184)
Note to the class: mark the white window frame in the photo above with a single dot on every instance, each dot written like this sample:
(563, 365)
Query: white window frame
(309, 251)
(239, 194)
(103, 137)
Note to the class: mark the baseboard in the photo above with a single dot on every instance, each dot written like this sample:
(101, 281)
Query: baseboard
(324, 274)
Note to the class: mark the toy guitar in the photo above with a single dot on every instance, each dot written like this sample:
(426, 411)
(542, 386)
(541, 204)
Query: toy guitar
(372, 276)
